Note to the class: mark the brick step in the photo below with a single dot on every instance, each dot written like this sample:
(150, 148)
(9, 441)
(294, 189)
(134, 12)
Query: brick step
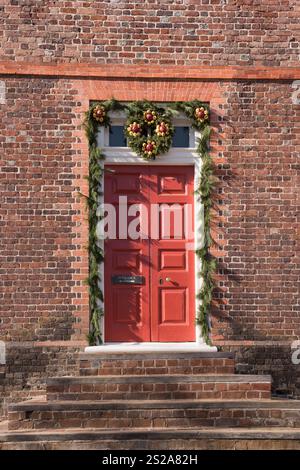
(159, 387)
(156, 363)
(153, 439)
(152, 414)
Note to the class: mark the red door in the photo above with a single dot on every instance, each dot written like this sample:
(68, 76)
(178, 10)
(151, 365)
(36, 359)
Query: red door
(150, 274)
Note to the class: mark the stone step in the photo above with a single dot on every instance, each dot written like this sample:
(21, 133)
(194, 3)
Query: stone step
(153, 439)
(153, 414)
(159, 387)
(2, 371)
(156, 363)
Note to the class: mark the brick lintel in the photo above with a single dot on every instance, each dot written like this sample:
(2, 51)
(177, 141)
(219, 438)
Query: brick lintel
(108, 71)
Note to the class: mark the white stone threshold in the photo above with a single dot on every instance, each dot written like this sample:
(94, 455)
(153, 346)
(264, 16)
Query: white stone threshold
(151, 347)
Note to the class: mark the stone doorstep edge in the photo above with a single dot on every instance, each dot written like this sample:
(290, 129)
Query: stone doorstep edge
(157, 434)
(154, 404)
(157, 378)
(148, 355)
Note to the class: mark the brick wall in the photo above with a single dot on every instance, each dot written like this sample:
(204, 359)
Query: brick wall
(29, 364)
(37, 287)
(222, 32)
(255, 146)
(266, 357)
(258, 213)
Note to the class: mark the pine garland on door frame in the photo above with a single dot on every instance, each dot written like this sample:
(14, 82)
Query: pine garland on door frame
(208, 262)
(139, 129)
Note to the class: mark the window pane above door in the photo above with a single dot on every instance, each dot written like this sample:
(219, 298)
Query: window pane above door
(181, 136)
(117, 137)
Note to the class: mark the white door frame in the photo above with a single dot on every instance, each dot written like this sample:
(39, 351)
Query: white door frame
(175, 156)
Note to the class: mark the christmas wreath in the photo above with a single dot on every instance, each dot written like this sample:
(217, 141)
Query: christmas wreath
(148, 129)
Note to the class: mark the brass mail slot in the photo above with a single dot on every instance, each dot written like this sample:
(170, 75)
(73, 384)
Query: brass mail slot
(123, 279)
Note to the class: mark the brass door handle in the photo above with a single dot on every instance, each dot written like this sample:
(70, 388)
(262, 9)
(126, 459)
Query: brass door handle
(167, 279)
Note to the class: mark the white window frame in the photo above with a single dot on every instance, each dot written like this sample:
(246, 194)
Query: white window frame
(176, 155)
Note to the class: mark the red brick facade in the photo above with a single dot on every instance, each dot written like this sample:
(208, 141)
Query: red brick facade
(176, 32)
(44, 260)
(242, 58)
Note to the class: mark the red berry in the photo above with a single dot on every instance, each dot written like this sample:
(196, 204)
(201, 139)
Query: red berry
(149, 116)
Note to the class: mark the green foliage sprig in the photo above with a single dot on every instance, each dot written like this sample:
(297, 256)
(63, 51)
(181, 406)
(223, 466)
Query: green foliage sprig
(196, 111)
(97, 115)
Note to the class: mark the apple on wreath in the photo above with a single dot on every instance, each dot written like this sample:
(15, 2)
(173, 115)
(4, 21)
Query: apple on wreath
(149, 148)
(201, 114)
(99, 113)
(134, 129)
(162, 129)
(150, 116)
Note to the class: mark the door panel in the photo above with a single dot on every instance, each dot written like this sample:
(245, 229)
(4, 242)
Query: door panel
(126, 306)
(173, 271)
(163, 307)
(172, 306)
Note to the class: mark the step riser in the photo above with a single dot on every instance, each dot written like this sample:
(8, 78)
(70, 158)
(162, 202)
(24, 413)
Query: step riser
(154, 418)
(159, 391)
(192, 366)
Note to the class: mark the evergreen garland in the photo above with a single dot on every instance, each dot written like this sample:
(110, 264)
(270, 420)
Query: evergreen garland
(95, 253)
(198, 113)
(136, 111)
(195, 110)
(208, 263)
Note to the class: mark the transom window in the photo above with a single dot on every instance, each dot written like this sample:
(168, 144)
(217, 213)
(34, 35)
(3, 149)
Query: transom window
(181, 137)
(184, 136)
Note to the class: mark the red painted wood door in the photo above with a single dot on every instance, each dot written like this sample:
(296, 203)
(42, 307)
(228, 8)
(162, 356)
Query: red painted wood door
(126, 306)
(162, 308)
(172, 273)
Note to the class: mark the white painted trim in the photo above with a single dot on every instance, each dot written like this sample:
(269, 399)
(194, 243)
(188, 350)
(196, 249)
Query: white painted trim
(123, 155)
(148, 347)
(175, 156)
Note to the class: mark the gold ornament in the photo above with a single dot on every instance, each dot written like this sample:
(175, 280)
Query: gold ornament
(99, 113)
(150, 116)
(201, 114)
(134, 129)
(149, 148)
(162, 129)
